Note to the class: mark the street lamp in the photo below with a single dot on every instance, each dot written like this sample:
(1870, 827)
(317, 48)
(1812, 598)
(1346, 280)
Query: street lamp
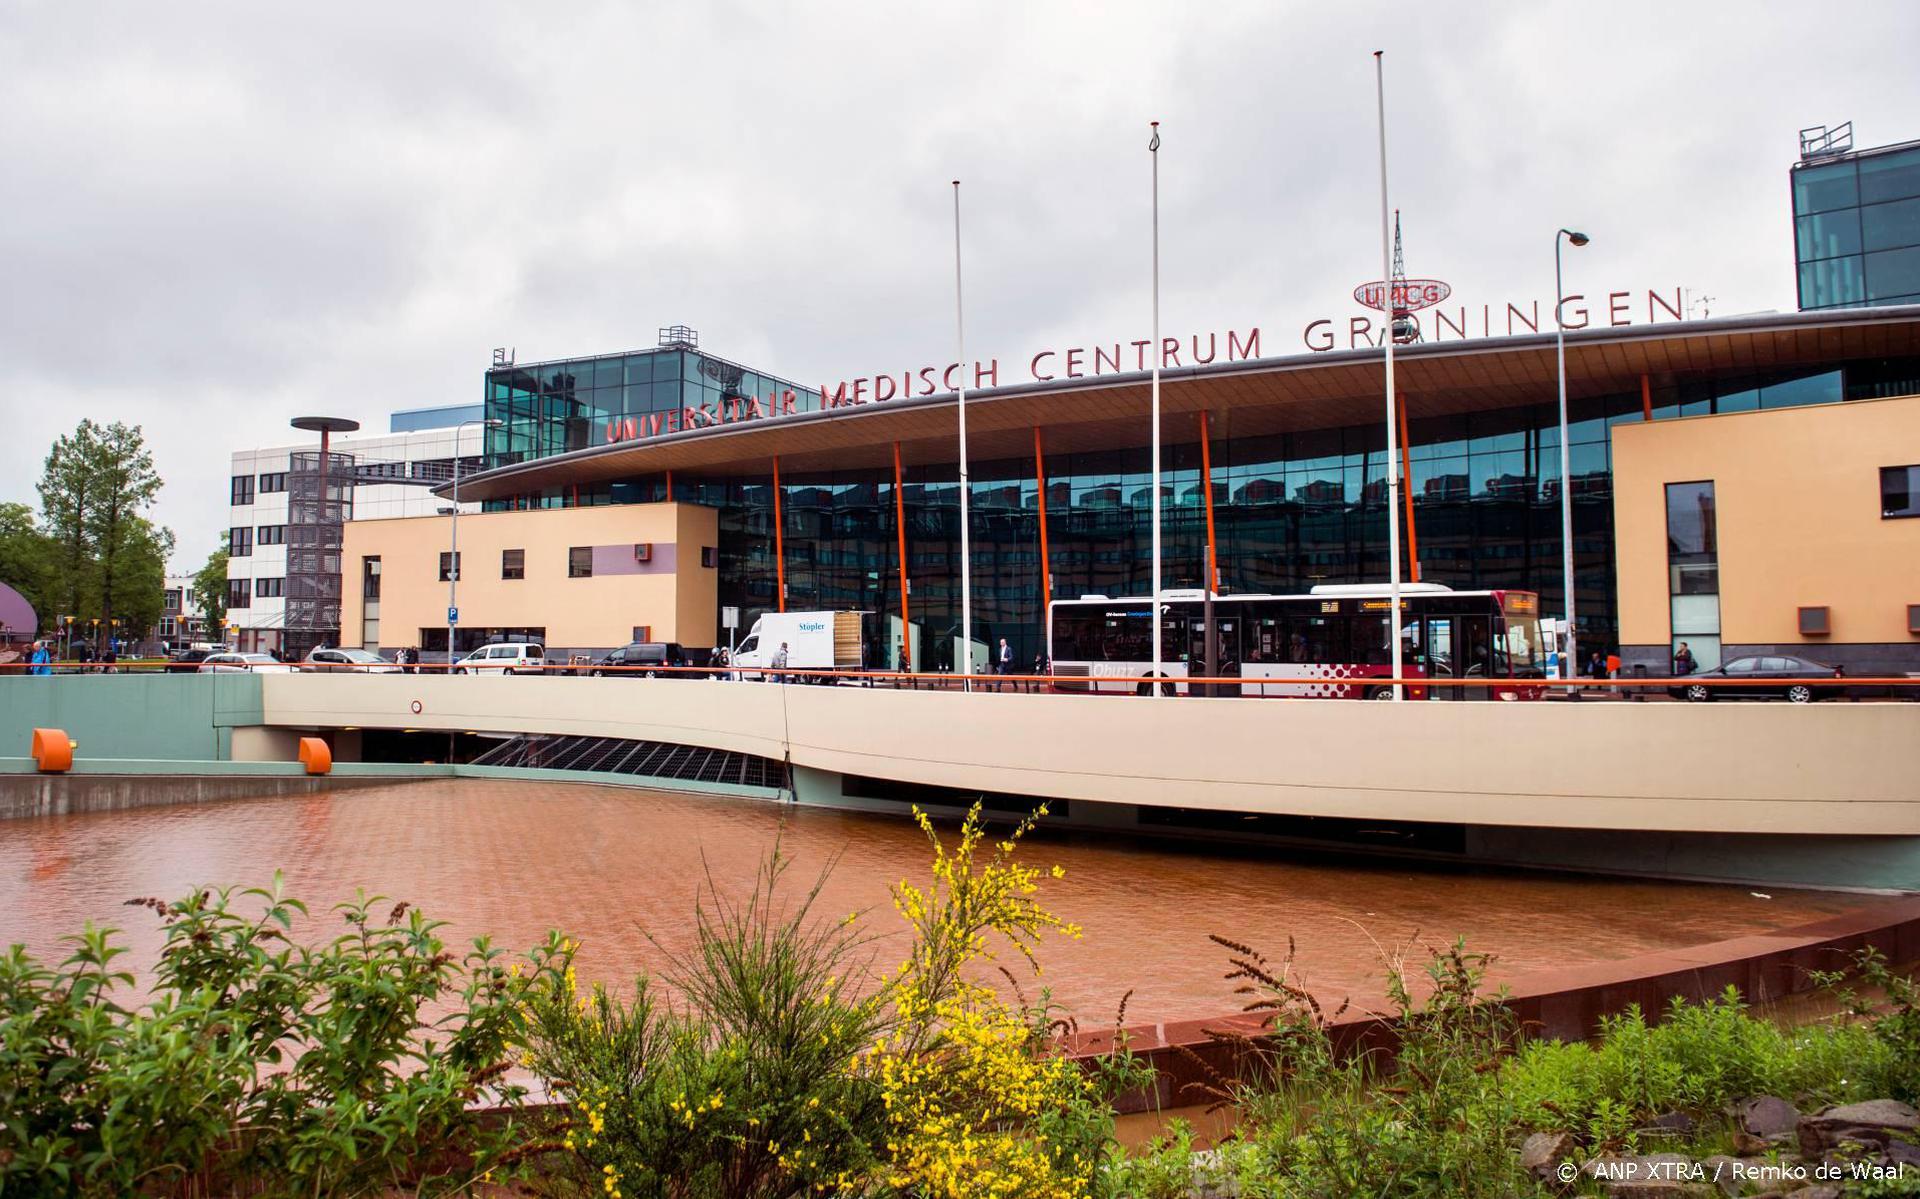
(1571, 656)
(453, 551)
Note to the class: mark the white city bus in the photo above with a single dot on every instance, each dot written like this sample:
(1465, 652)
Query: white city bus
(1326, 644)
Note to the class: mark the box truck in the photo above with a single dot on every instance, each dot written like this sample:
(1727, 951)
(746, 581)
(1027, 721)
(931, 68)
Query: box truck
(814, 641)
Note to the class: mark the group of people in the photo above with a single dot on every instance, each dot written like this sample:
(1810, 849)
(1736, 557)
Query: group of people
(40, 658)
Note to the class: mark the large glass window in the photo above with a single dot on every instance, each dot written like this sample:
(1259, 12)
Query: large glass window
(1833, 283)
(370, 578)
(1890, 176)
(1829, 234)
(1893, 274)
(1825, 188)
(1888, 226)
(449, 567)
(513, 564)
(243, 489)
(240, 541)
(1693, 562)
(580, 562)
(239, 593)
(1899, 491)
(1690, 520)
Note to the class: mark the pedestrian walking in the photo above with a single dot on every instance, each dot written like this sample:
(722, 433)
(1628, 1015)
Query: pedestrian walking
(780, 661)
(1039, 669)
(1683, 661)
(1006, 661)
(41, 660)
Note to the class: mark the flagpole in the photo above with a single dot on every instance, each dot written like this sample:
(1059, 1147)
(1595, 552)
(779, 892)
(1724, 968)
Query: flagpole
(1153, 150)
(966, 540)
(1393, 436)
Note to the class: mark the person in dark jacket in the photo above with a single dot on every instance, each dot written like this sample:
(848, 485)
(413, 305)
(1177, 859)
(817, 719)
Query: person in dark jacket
(1683, 661)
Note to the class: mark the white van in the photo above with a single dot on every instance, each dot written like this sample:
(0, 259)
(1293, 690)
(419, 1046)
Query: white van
(814, 641)
(505, 657)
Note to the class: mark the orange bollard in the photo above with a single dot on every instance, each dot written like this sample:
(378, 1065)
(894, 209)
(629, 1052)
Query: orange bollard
(52, 751)
(315, 756)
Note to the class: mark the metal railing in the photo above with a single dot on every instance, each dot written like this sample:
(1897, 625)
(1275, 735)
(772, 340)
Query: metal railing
(1905, 687)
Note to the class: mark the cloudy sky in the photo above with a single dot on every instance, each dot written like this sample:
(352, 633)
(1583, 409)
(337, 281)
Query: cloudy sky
(215, 217)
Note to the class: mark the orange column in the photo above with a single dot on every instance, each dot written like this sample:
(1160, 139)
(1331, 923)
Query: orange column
(1206, 489)
(1646, 399)
(779, 540)
(669, 487)
(1046, 559)
(1406, 491)
(900, 527)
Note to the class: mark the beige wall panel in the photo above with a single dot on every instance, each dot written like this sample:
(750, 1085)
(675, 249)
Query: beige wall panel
(1777, 768)
(598, 611)
(1797, 499)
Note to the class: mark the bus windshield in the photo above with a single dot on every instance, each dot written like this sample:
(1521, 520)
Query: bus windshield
(1521, 650)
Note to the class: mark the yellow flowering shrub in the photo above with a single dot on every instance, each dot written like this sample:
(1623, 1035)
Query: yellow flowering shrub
(976, 1108)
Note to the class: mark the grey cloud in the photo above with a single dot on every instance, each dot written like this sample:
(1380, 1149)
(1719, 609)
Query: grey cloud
(220, 216)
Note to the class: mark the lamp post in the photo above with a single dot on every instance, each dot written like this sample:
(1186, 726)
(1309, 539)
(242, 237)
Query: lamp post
(1571, 656)
(453, 550)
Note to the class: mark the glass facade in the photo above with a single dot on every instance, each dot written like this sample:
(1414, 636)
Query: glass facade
(1291, 511)
(553, 407)
(1857, 229)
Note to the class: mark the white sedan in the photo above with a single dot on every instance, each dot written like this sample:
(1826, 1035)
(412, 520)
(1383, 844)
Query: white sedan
(243, 663)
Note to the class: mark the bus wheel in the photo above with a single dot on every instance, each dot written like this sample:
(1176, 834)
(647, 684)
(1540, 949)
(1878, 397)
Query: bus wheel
(1145, 688)
(1381, 693)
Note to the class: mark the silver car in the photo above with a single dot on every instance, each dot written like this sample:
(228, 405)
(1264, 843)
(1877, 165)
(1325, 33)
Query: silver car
(354, 661)
(243, 664)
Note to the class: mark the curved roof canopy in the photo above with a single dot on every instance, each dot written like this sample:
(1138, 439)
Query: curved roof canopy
(1262, 396)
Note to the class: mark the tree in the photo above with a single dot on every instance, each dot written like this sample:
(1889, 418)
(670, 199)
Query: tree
(110, 560)
(67, 491)
(138, 575)
(210, 587)
(28, 561)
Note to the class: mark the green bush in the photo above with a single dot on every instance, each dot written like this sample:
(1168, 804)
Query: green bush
(1698, 1060)
(1893, 1069)
(744, 1086)
(260, 1062)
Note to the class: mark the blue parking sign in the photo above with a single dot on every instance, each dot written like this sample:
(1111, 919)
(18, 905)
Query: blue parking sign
(453, 616)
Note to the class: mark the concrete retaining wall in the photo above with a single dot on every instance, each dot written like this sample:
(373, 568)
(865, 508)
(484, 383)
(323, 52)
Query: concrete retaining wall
(1565, 1004)
(151, 716)
(24, 794)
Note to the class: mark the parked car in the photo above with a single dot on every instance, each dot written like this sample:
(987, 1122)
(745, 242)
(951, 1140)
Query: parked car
(188, 661)
(504, 657)
(1759, 676)
(356, 661)
(242, 664)
(642, 658)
